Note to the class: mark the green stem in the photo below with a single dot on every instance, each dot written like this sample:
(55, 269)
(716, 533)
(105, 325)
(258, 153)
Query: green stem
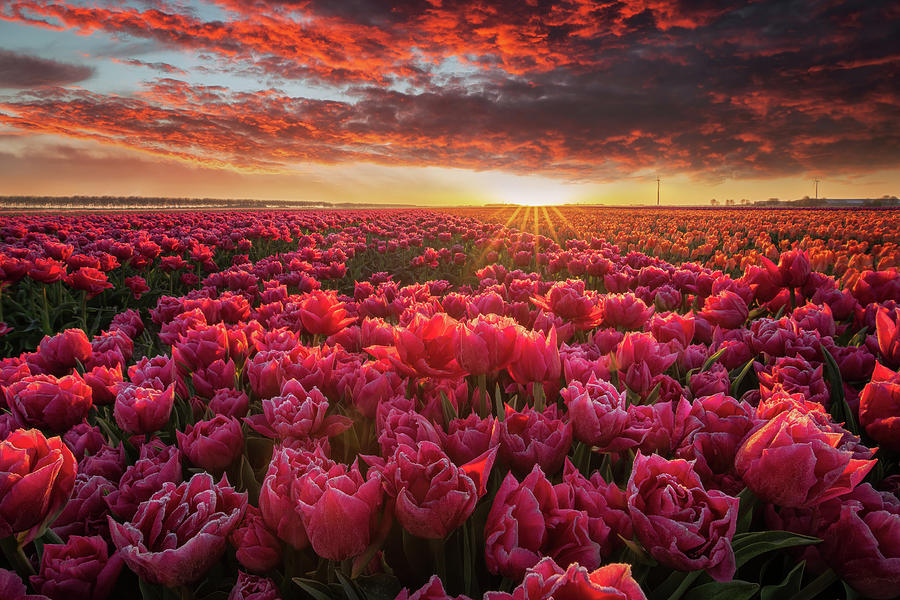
(290, 563)
(484, 402)
(537, 391)
(582, 458)
(16, 557)
(185, 593)
(50, 537)
(817, 586)
(45, 314)
(681, 582)
(440, 559)
(468, 562)
(84, 312)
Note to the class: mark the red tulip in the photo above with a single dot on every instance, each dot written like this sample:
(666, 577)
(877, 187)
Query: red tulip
(597, 413)
(547, 580)
(530, 438)
(426, 347)
(888, 335)
(212, 445)
(569, 300)
(254, 587)
(793, 460)
(339, 509)
(488, 344)
(432, 495)
(62, 352)
(141, 409)
(180, 532)
(538, 359)
(80, 569)
(794, 268)
(879, 408)
(37, 476)
(258, 548)
(679, 522)
(92, 281)
(528, 521)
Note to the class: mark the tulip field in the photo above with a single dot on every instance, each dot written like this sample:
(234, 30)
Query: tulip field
(500, 403)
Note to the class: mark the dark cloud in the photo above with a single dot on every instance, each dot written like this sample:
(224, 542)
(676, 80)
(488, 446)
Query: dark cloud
(23, 71)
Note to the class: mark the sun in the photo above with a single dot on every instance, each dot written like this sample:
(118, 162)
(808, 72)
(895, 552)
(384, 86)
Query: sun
(535, 202)
(525, 190)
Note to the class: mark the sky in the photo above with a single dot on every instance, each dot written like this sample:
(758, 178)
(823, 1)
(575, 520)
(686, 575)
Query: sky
(438, 102)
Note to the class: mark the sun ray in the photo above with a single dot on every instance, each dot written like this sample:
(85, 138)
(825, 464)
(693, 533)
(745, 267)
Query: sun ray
(562, 217)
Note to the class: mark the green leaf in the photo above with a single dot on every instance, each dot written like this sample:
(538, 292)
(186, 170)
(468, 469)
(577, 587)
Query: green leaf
(817, 586)
(689, 374)
(448, 408)
(860, 337)
(350, 590)
(723, 590)
(613, 365)
(150, 591)
(675, 585)
(757, 312)
(317, 590)
(637, 553)
(379, 587)
(748, 502)
(736, 384)
(582, 458)
(750, 545)
(789, 586)
(715, 356)
(839, 409)
(654, 394)
(849, 592)
(248, 480)
(631, 397)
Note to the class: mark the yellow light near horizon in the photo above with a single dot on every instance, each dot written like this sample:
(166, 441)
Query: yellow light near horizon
(530, 191)
(536, 202)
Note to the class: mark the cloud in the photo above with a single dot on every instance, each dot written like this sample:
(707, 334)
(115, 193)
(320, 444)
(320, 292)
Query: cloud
(538, 128)
(378, 42)
(579, 90)
(22, 71)
(157, 66)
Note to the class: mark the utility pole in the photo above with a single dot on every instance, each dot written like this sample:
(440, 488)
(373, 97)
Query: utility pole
(657, 190)
(817, 189)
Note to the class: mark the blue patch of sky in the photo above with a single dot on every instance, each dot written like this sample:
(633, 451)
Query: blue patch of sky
(99, 49)
(449, 70)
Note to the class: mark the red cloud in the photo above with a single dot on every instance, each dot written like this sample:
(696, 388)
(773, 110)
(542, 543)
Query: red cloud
(517, 37)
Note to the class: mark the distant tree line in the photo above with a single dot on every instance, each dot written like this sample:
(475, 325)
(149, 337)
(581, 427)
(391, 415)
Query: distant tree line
(152, 202)
(807, 202)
